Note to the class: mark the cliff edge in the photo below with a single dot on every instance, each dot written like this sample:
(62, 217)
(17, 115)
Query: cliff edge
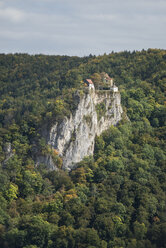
(74, 137)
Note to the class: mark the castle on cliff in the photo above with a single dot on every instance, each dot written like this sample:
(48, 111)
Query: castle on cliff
(106, 83)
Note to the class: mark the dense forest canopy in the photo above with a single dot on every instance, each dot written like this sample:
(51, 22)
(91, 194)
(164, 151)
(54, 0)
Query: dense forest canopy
(117, 198)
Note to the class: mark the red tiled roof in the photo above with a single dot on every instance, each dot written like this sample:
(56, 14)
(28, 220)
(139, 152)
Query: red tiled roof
(89, 81)
(107, 77)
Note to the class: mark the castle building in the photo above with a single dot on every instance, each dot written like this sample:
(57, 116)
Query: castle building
(90, 84)
(107, 79)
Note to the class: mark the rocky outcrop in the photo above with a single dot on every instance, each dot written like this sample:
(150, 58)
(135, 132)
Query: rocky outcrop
(74, 137)
(8, 152)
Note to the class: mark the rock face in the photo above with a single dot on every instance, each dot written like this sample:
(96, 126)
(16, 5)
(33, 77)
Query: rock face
(74, 137)
(8, 152)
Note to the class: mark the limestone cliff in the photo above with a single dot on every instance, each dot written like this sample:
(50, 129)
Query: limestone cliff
(74, 137)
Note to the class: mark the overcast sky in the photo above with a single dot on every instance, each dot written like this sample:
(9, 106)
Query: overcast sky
(81, 27)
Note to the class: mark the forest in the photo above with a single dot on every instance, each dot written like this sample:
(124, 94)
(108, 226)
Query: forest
(113, 199)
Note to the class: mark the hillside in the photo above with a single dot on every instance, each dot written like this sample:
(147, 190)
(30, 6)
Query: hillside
(115, 198)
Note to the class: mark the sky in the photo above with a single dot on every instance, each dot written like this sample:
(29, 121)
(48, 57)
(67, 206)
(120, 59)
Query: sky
(81, 27)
